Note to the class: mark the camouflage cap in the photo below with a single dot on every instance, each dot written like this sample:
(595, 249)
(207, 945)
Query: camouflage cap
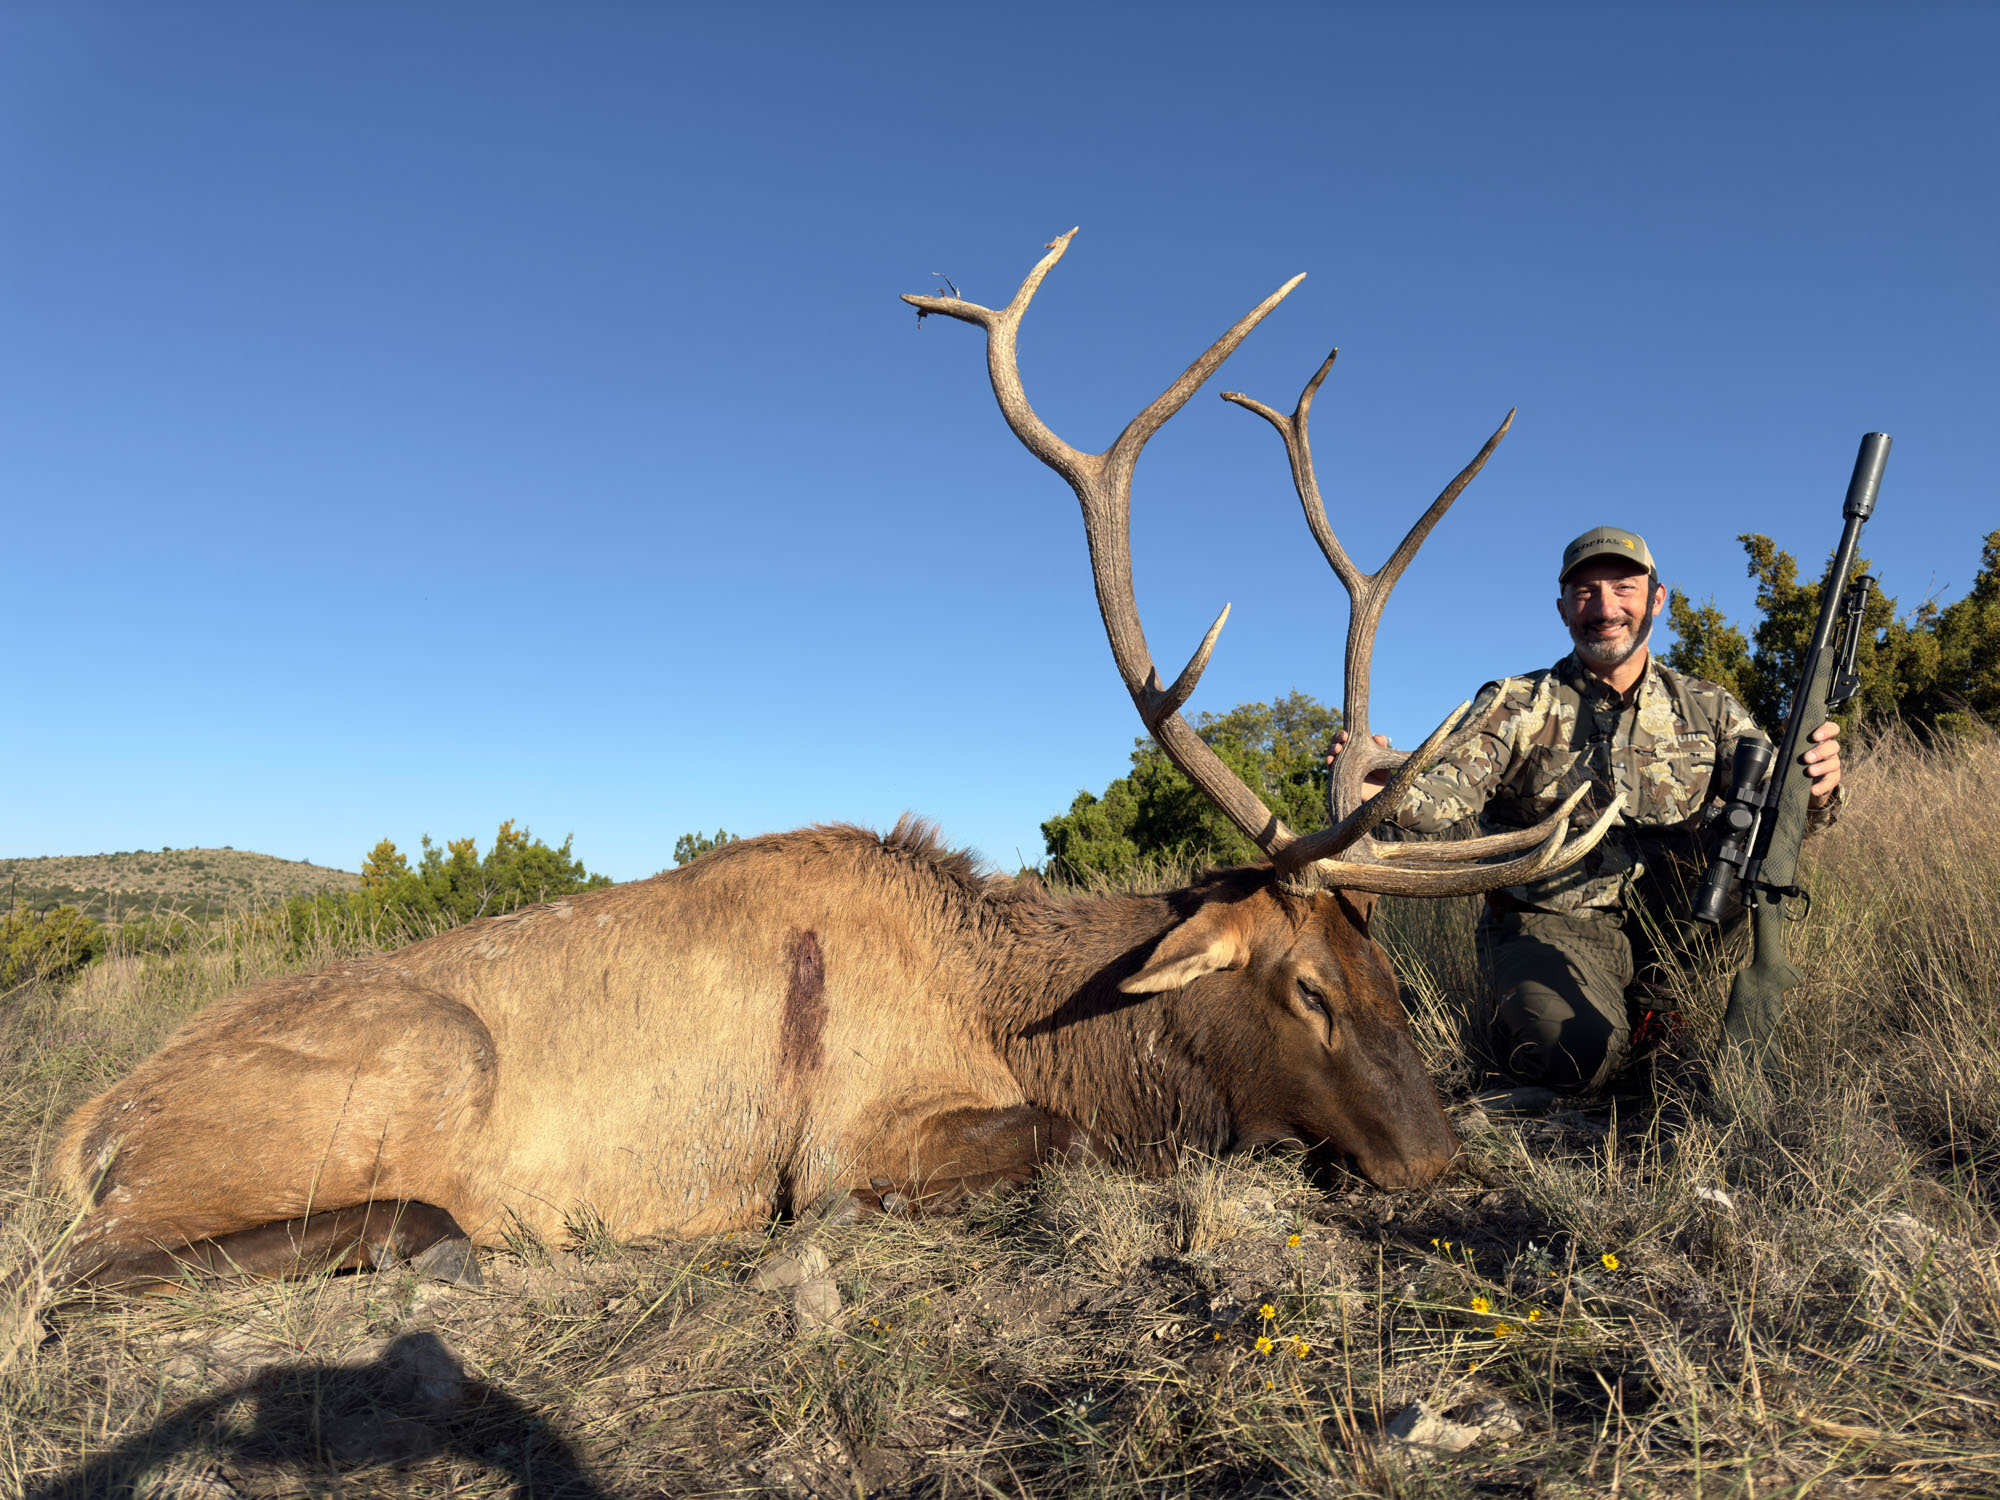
(1606, 541)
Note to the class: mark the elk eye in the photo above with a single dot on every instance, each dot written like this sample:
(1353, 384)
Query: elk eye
(1315, 1000)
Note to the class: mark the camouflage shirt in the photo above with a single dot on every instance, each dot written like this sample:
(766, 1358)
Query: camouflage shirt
(1668, 751)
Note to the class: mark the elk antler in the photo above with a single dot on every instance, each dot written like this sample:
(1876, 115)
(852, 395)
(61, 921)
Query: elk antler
(1411, 869)
(1103, 486)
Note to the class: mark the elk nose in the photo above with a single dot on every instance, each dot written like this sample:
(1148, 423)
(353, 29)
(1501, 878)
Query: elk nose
(1416, 1164)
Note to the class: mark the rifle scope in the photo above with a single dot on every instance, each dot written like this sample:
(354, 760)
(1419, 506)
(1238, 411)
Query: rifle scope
(1736, 830)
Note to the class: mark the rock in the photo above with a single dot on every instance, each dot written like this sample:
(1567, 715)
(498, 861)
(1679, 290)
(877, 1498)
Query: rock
(1418, 1426)
(1493, 1418)
(790, 1268)
(815, 1304)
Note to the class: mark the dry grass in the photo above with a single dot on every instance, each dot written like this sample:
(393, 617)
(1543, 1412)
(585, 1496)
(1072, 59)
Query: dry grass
(1803, 1301)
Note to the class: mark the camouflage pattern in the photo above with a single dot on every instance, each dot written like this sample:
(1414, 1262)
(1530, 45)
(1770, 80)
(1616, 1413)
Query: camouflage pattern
(1668, 752)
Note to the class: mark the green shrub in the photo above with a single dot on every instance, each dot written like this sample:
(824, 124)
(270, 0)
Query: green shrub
(47, 945)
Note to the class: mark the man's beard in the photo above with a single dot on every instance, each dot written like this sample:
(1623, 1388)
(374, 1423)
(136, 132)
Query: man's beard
(1614, 653)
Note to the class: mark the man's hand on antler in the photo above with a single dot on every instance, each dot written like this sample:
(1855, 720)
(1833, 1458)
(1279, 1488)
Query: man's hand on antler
(1822, 761)
(1376, 779)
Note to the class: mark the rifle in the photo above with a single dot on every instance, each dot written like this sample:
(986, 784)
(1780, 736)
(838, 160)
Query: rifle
(1761, 826)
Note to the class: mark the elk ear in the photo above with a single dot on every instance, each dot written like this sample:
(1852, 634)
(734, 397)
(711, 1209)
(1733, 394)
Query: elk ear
(1363, 903)
(1215, 938)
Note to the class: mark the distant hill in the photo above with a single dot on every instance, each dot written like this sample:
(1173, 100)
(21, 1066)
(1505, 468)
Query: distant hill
(199, 882)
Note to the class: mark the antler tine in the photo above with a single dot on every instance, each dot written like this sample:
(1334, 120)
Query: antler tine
(1103, 486)
(1298, 449)
(1412, 869)
(1557, 852)
(1350, 780)
(1367, 593)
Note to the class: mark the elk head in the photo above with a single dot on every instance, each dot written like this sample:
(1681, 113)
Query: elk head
(1279, 981)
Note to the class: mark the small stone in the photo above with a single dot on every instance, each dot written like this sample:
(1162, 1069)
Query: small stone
(1494, 1419)
(1418, 1426)
(790, 1268)
(815, 1304)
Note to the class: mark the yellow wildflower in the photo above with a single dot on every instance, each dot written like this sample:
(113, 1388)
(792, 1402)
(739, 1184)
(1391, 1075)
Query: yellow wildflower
(1302, 1349)
(1534, 1315)
(1434, 1242)
(1267, 1312)
(1215, 1338)
(1471, 1365)
(1270, 1385)
(1504, 1330)
(1293, 1241)
(1263, 1344)
(1481, 1305)
(1610, 1261)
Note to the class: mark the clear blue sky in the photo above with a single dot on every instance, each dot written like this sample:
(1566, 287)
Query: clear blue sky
(414, 416)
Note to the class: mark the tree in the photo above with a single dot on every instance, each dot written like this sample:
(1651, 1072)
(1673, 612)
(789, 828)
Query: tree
(1936, 669)
(448, 885)
(692, 846)
(1706, 645)
(1279, 750)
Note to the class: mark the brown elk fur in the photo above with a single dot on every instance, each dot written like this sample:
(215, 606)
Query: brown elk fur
(820, 1010)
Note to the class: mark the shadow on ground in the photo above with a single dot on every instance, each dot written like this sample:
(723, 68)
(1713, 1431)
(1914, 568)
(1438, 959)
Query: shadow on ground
(413, 1404)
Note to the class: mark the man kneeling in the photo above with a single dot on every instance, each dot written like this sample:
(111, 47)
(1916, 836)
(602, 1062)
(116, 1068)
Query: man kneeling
(1577, 959)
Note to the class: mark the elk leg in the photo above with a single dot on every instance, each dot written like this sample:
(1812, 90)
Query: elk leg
(962, 1153)
(368, 1234)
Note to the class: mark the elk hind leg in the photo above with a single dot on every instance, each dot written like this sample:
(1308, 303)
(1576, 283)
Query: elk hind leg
(966, 1152)
(367, 1234)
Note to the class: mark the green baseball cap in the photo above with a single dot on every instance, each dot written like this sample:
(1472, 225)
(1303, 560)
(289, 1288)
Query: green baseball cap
(1607, 541)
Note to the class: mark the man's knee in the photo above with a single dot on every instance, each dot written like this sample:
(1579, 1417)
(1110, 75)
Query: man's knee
(1561, 980)
(1543, 1036)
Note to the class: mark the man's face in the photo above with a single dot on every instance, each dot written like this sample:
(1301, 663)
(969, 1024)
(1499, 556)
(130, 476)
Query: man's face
(1604, 602)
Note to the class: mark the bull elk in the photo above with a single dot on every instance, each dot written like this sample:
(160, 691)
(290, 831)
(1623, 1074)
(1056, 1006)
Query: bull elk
(818, 1012)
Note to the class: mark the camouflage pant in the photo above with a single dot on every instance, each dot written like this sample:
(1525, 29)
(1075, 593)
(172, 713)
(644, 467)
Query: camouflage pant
(1570, 986)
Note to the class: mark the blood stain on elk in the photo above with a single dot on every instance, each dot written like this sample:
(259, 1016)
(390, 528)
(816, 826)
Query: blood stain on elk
(802, 1027)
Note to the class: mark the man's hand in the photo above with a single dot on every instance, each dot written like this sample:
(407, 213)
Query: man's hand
(1822, 762)
(1376, 780)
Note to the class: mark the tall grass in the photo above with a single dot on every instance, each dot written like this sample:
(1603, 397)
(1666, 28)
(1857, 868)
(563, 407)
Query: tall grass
(1659, 1298)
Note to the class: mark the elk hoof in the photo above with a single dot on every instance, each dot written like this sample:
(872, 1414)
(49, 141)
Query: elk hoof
(895, 1203)
(452, 1261)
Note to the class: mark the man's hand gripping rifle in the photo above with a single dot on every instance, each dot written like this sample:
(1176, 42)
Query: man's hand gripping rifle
(1760, 827)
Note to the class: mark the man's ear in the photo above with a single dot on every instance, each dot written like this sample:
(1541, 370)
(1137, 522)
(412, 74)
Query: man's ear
(1562, 609)
(1215, 938)
(1659, 597)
